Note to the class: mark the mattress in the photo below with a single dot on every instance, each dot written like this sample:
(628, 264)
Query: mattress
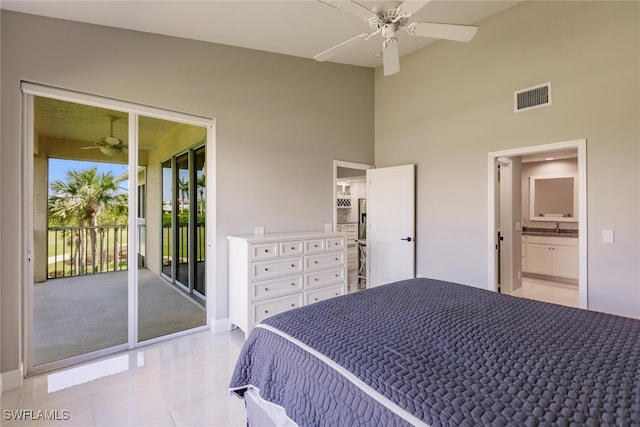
(429, 352)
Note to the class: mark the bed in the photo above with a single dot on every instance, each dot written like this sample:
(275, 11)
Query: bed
(429, 352)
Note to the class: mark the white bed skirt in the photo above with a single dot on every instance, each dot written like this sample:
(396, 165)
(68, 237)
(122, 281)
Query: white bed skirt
(261, 413)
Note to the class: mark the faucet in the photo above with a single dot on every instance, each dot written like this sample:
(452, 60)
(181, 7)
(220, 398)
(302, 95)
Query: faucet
(557, 228)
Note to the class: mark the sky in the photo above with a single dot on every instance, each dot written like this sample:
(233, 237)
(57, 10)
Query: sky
(58, 169)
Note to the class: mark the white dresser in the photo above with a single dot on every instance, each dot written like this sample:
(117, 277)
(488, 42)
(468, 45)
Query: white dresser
(277, 272)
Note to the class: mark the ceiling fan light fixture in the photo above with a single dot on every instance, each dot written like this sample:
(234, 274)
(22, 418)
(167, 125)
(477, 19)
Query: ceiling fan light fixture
(110, 151)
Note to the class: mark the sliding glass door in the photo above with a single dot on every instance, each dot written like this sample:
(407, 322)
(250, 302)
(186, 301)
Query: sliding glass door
(118, 235)
(184, 213)
(81, 229)
(167, 301)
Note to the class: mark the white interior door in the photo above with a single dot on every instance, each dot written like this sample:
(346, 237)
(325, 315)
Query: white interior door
(391, 224)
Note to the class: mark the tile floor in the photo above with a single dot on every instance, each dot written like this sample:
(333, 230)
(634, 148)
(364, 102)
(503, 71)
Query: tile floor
(549, 291)
(182, 382)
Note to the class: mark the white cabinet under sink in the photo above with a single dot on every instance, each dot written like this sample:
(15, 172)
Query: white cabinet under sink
(551, 256)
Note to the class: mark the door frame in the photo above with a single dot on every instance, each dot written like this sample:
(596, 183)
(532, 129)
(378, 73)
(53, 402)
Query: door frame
(504, 193)
(29, 91)
(343, 164)
(581, 146)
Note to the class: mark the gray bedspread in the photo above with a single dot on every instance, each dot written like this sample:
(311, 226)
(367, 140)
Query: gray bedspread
(446, 354)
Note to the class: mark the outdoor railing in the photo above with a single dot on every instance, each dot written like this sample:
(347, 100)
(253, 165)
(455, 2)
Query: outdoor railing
(76, 251)
(182, 245)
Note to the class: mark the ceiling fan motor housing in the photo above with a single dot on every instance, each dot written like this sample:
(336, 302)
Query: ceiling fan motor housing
(392, 16)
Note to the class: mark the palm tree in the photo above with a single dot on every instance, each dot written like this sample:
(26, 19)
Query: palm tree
(183, 187)
(201, 184)
(79, 199)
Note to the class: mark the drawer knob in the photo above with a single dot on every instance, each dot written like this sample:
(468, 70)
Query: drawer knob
(315, 246)
(293, 305)
(266, 289)
(316, 279)
(293, 284)
(266, 269)
(315, 262)
(337, 294)
(336, 259)
(293, 265)
(336, 274)
(316, 298)
(266, 312)
(266, 251)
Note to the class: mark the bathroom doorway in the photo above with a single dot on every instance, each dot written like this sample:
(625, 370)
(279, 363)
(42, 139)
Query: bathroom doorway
(536, 251)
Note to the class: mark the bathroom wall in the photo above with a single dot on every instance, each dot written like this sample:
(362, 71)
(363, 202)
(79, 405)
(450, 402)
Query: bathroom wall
(551, 167)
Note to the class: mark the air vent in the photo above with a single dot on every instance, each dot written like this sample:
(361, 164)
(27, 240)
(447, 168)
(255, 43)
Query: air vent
(532, 97)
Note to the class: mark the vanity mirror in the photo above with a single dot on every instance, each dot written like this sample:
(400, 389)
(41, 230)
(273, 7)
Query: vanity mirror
(553, 198)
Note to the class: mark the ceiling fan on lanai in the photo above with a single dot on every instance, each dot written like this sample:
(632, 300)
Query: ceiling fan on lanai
(111, 146)
(388, 18)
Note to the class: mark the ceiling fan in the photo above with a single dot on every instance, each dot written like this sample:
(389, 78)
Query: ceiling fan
(111, 146)
(388, 18)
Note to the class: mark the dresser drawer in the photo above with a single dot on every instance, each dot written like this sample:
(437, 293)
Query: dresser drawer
(322, 294)
(322, 261)
(316, 245)
(264, 250)
(274, 306)
(277, 287)
(336, 243)
(323, 278)
(278, 267)
(291, 248)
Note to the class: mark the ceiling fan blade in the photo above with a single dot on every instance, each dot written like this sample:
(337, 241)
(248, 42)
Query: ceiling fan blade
(390, 57)
(412, 6)
(351, 7)
(460, 33)
(332, 51)
(90, 148)
(147, 147)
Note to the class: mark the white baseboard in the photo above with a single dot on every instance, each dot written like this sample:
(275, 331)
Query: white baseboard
(12, 379)
(220, 325)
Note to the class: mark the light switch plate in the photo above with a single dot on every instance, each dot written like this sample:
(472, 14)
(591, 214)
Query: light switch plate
(607, 236)
(259, 230)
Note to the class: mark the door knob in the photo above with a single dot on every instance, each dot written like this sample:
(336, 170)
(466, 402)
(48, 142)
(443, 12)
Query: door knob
(408, 239)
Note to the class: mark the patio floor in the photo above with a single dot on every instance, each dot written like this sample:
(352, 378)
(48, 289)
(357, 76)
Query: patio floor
(81, 314)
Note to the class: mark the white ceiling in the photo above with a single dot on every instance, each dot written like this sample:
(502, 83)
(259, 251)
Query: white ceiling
(301, 28)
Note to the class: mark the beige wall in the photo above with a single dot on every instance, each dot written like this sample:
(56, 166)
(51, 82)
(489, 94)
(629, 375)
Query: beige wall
(281, 121)
(451, 104)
